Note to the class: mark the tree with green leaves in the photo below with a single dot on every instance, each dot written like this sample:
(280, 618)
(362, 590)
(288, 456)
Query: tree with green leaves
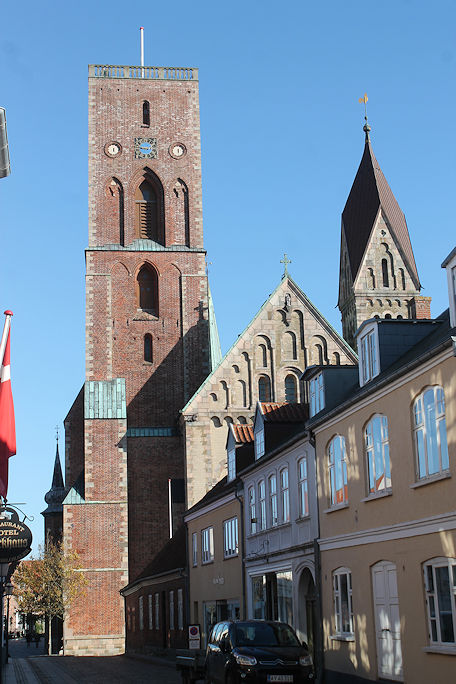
(47, 585)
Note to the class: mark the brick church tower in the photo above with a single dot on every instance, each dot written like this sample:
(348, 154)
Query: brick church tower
(378, 274)
(147, 337)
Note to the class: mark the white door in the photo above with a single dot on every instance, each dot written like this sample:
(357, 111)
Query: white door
(387, 621)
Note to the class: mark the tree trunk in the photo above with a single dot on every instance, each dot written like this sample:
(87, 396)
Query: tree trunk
(50, 636)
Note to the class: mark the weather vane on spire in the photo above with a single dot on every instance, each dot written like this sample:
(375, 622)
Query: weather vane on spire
(366, 127)
(56, 433)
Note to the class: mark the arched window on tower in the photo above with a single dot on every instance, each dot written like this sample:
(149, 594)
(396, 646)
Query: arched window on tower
(291, 393)
(149, 209)
(148, 355)
(146, 113)
(264, 388)
(385, 277)
(147, 289)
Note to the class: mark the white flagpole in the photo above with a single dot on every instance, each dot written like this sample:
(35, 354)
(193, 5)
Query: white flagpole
(6, 328)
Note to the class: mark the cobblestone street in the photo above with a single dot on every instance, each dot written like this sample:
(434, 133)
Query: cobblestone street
(28, 665)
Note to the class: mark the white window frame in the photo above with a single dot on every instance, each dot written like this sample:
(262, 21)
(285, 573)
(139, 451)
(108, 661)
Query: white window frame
(195, 549)
(337, 470)
(157, 610)
(230, 538)
(262, 504)
(338, 596)
(171, 609)
(259, 443)
(207, 545)
(285, 495)
(231, 458)
(368, 352)
(252, 509)
(141, 612)
(434, 612)
(424, 427)
(180, 609)
(150, 610)
(317, 394)
(273, 504)
(303, 489)
(384, 484)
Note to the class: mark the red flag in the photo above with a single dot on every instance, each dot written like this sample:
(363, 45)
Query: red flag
(7, 426)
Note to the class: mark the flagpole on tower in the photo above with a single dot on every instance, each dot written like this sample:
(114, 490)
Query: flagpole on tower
(6, 328)
(141, 31)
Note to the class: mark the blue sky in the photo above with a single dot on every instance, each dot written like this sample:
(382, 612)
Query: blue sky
(282, 138)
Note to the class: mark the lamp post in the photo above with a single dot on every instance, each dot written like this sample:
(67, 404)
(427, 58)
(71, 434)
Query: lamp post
(4, 569)
(8, 593)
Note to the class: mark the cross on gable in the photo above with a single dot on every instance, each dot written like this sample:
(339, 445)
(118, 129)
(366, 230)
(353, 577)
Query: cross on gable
(285, 261)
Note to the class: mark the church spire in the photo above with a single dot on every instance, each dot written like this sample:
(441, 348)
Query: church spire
(378, 274)
(56, 494)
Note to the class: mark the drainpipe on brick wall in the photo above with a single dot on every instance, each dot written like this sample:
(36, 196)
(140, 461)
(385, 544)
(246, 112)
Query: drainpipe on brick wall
(237, 491)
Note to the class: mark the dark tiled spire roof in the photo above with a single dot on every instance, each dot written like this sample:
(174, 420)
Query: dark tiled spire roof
(56, 494)
(370, 192)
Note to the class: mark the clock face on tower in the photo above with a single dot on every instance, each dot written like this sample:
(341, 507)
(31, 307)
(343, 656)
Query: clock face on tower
(112, 149)
(177, 150)
(145, 148)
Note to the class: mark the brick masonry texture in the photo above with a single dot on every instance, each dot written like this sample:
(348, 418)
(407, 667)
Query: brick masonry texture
(123, 521)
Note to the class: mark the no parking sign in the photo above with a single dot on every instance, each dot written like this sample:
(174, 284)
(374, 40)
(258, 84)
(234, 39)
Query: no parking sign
(194, 636)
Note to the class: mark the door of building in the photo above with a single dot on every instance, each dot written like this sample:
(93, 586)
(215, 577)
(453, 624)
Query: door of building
(387, 621)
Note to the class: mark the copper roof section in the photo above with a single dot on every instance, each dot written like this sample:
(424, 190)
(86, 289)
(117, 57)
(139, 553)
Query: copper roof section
(274, 412)
(369, 193)
(242, 433)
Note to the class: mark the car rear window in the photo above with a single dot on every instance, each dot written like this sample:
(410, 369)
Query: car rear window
(252, 634)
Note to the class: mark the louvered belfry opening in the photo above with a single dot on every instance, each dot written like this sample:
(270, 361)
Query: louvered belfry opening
(149, 210)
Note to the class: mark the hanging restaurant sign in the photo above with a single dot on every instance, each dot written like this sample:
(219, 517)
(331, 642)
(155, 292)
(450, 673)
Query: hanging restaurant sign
(15, 537)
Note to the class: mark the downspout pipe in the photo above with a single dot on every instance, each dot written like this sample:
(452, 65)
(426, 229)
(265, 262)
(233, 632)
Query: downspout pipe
(237, 491)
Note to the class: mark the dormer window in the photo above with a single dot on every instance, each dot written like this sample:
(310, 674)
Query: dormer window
(449, 265)
(368, 355)
(259, 443)
(317, 394)
(231, 465)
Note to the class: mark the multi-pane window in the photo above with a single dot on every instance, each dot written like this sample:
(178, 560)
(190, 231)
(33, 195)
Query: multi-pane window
(440, 584)
(171, 609)
(273, 499)
(343, 611)
(291, 391)
(302, 486)
(157, 611)
(180, 609)
(230, 538)
(285, 495)
(317, 395)
(262, 504)
(252, 510)
(259, 443)
(141, 612)
(430, 432)
(377, 453)
(264, 388)
(369, 363)
(207, 545)
(195, 548)
(150, 606)
(231, 464)
(338, 471)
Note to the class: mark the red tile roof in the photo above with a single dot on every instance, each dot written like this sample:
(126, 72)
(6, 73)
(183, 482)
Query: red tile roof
(370, 192)
(284, 412)
(243, 433)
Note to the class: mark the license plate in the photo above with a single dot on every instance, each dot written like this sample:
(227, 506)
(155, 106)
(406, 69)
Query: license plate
(280, 678)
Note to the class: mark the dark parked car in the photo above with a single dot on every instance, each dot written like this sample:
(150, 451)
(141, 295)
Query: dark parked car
(259, 651)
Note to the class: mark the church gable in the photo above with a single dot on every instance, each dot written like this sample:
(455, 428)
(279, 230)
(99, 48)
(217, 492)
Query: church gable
(264, 364)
